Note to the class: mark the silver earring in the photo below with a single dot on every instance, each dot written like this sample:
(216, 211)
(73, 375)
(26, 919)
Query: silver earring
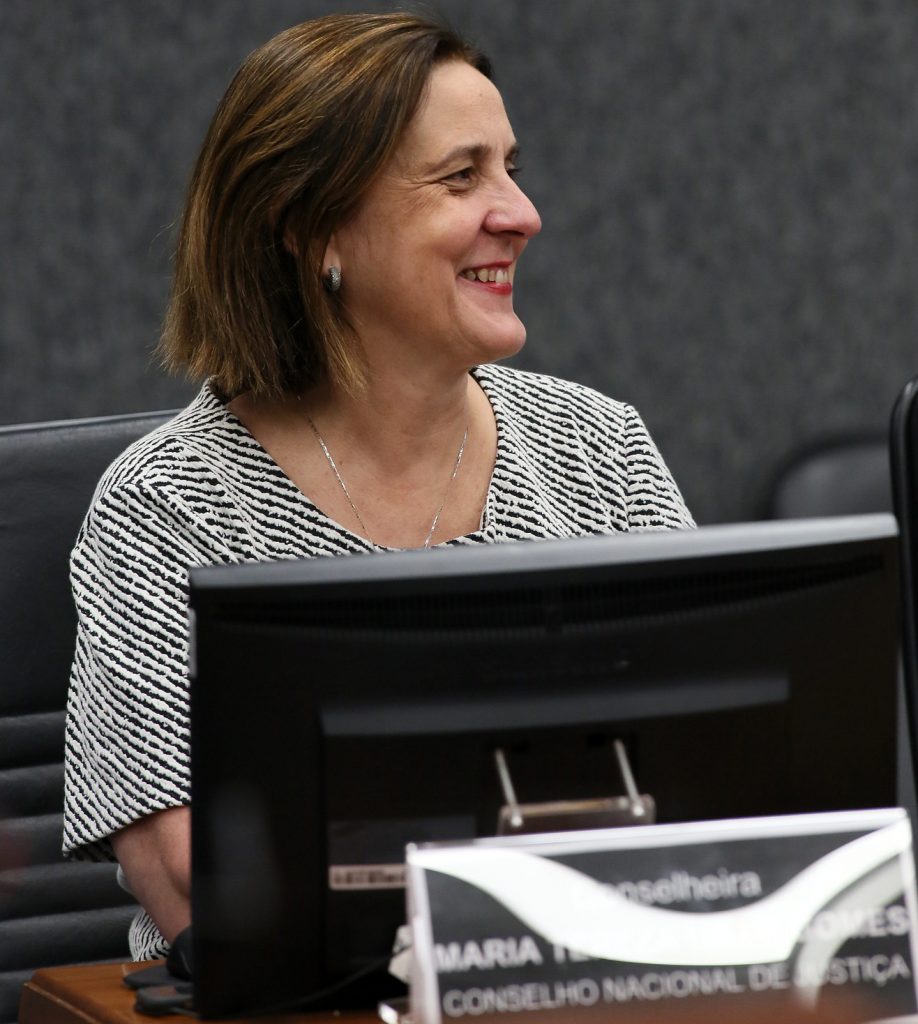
(333, 279)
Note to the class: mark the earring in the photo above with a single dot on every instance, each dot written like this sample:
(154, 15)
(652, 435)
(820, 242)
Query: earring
(333, 279)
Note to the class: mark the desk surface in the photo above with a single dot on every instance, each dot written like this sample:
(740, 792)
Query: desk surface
(96, 994)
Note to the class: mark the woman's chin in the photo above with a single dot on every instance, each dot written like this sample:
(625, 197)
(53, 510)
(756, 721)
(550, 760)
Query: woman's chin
(503, 343)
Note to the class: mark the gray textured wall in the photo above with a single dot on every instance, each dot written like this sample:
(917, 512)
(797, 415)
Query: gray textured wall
(728, 189)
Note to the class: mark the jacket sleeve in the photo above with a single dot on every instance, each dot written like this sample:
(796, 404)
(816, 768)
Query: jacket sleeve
(127, 731)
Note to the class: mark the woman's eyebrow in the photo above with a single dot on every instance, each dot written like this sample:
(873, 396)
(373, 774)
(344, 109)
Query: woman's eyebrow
(469, 153)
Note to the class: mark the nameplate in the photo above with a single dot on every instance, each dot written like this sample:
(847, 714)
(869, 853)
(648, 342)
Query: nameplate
(803, 908)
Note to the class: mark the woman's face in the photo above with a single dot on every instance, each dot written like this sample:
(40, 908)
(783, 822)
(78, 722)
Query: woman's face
(428, 261)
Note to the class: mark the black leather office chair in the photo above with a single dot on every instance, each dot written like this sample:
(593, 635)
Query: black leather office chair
(841, 476)
(51, 911)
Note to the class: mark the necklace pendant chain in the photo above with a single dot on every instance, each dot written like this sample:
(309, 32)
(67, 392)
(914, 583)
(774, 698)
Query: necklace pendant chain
(449, 483)
(350, 500)
(339, 478)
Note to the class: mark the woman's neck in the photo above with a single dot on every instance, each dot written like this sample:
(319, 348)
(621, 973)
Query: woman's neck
(402, 425)
(391, 451)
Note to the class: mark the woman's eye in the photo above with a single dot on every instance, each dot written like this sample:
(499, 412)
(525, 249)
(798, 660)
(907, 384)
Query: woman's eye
(461, 177)
(513, 170)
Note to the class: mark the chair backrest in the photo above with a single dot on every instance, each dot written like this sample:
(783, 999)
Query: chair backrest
(51, 912)
(903, 451)
(841, 476)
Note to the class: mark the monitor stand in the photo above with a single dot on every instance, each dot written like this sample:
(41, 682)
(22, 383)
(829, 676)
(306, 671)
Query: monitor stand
(633, 808)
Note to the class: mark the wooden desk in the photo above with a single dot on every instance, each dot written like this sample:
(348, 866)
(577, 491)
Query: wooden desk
(95, 994)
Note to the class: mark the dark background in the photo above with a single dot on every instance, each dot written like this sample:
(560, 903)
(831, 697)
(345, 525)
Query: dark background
(728, 190)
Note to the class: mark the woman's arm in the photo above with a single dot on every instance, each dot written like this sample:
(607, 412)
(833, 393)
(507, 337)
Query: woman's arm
(155, 856)
(127, 758)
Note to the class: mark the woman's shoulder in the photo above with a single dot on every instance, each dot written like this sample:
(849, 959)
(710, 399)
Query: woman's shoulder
(183, 445)
(553, 398)
(190, 454)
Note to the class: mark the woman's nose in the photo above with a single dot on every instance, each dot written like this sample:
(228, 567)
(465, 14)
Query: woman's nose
(513, 211)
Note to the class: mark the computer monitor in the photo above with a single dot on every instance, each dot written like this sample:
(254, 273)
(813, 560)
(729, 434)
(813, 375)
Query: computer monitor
(344, 706)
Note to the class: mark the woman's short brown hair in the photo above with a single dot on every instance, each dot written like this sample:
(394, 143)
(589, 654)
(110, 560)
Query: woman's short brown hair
(305, 126)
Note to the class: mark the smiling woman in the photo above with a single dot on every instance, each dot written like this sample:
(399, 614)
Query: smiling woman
(343, 287)
(431, 252)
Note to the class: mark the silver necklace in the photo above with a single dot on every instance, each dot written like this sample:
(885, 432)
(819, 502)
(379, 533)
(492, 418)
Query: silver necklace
(350, 500)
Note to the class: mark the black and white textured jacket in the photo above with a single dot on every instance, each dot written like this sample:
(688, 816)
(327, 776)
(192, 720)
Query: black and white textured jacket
(200, 490)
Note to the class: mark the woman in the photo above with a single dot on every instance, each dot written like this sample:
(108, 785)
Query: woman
(344, 283)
